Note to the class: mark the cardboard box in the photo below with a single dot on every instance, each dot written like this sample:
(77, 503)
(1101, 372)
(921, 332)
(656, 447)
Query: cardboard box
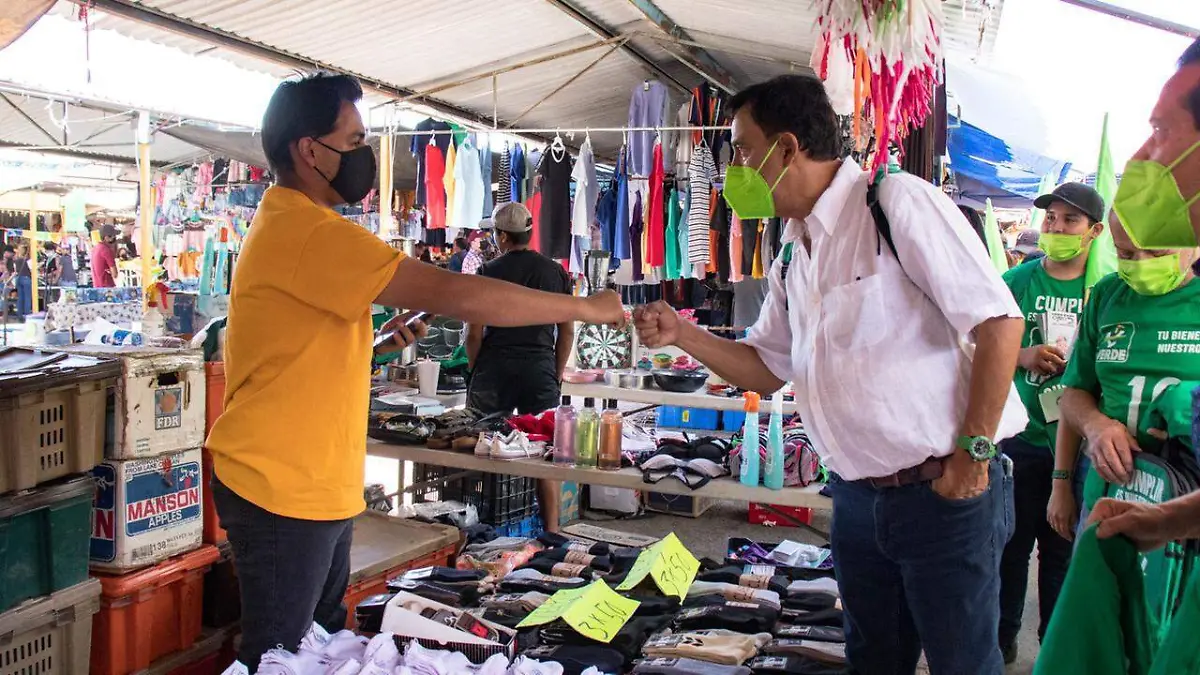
(774, 515)
(677, 505)
(408, 617)
(568, 511)
(146, 511)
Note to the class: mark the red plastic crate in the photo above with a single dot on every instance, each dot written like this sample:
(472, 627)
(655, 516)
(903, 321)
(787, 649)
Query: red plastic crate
(377, 584)
(214, 405)
(150, 613)
(779, 516)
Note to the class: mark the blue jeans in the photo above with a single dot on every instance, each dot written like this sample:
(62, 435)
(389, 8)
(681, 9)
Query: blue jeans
(291, 573)
(918, 571)
(24, 295)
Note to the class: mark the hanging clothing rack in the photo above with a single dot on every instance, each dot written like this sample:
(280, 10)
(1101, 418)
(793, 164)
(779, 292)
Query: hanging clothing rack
(554, 130)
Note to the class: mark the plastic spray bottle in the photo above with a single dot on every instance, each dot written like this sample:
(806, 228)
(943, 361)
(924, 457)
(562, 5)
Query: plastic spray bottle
(587, 434)
(564, 432)
(773, 471)
(750, 458)
(611, 428)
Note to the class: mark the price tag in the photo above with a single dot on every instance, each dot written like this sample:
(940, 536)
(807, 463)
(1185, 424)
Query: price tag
(599, 613)
(669, 563)
(552, 608)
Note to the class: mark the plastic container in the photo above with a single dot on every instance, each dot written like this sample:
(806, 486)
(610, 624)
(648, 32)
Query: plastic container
(52, 415)
(214, 405)
(149, 614)
(384, 546)
(773, 470)
(587, 434)
(52, 636)
(203, 658)
(749, 473)
(689, 418)
(160, 400)
(564, 432)
(43, 540)
(611, 428)
(529, 526)
(147, 510)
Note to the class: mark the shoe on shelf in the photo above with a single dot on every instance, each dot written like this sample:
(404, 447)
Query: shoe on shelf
(515, 446)
(483, 447)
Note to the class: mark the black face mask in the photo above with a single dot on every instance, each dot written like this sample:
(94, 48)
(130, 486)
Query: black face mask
(356, 173)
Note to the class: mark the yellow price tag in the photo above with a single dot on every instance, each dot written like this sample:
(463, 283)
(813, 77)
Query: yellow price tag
(599, 613)
(553, 608)
(669, 563)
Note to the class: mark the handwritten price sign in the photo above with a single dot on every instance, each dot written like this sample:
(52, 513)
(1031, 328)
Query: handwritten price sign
(669, 563)
(595, 611)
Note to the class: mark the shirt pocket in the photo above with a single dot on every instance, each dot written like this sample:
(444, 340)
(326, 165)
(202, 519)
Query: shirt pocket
(855, 314)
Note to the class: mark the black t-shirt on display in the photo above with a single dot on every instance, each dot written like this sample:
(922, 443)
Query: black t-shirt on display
(555, 215)
(532, 270)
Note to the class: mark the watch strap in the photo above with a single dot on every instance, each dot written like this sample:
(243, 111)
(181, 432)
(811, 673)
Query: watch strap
(1060, 474)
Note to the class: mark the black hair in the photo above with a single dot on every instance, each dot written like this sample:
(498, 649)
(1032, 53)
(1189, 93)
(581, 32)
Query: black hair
(795, 104)
(518, 238)
(304, 108)
(7, 249)
(49, 246)
(1190, 57)
(462, 243)
(975, 220)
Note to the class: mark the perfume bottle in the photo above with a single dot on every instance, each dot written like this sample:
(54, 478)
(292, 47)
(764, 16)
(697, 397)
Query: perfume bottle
(587, 434)
(611, 426)
(564, 432)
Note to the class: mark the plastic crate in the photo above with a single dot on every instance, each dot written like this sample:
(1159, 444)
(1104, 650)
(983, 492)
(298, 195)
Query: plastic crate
(733, 420)
(206, 657)
(214, 405)
(52, 636)
(689, 418)
(149, 614)
(433, 486)
(383, 547)
(498, 498)
(529, 526)
(44, 535)
(52, 423)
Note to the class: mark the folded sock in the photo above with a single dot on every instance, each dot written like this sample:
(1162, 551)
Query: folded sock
(819, 633)
(820, 617)
(575, 658)
(745, 619)
(515, 601)
(524, 665)
(825, 652)
(566, 555)
(794, 665)
(444, 574)
(556, 540)
(653, 605)
(681, 666)
(735, 593)
(716, 646)
(523, 580)
(628, 640)
(746, 576)
(812, 601)
(560, 569)
(455, 596)
(772, 614)
(824, 584)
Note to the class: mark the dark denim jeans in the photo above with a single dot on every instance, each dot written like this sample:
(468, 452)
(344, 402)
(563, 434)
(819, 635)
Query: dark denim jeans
(291, 573)
(918, 571)
(1032, 469)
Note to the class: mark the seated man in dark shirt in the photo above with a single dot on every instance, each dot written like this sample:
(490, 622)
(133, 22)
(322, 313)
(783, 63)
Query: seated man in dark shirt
(460, 252)
(521, 368)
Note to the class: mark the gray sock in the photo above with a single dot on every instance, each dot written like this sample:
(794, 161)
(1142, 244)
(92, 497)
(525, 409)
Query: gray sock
(681, 666)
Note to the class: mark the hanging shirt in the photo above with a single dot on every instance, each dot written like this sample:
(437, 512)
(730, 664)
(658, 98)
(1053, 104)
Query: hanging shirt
(719, 238)
(635, 236)
(672, 256)
(504, 191)
(516, 174)
(555, 173)
(448, 182)
(647, 108)
(735, 251)
(684, 145)
(435, 191)
(468, 188)
(534, 205)
(700, 178)
(655, 206)
(485, 172)
(417, 145)
(587, 191)
(606, 216)
(621, 229)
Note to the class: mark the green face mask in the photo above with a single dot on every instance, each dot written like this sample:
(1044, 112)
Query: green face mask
(1061, 247)
(1151, 276)
(747, 192)
(1151, 207)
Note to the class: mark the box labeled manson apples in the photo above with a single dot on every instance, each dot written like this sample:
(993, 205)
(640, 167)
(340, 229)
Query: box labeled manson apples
(146, 510)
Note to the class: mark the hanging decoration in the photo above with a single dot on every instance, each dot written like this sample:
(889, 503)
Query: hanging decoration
(895, 48)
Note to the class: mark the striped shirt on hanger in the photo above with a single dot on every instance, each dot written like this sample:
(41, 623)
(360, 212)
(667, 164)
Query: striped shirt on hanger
(504, 193)
(701, 173)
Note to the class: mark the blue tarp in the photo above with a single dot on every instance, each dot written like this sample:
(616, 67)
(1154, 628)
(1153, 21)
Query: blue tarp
(986, 167)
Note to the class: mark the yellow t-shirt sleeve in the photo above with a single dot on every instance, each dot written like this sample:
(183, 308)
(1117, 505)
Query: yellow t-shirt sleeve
(343, 268)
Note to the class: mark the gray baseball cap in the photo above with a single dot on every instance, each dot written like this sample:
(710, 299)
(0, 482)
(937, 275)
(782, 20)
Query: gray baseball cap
(512, 217)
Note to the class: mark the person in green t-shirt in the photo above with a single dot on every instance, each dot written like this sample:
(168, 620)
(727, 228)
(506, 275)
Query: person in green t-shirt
(1050, 292)
(1139, 336)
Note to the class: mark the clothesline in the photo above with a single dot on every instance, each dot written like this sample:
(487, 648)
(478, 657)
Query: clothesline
(555, 130)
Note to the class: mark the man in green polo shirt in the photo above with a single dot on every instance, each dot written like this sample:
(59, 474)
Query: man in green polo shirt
(1050, 292)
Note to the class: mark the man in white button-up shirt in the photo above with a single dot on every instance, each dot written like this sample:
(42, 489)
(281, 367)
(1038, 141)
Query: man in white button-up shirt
(902, 364)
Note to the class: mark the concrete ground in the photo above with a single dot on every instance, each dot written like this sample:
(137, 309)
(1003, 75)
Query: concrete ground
(706, 537)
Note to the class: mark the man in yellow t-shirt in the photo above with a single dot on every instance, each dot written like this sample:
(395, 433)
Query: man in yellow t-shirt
(289, 450)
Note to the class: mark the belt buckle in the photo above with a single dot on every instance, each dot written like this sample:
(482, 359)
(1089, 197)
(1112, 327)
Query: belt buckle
(891, 481)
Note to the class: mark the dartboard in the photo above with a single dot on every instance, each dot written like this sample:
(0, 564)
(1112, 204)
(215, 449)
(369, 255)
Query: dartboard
(602, 346)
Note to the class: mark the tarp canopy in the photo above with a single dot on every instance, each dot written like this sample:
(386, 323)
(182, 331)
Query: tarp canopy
(986, 167)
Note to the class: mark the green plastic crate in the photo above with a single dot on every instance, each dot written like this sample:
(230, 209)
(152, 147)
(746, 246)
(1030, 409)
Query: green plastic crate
(44, 538)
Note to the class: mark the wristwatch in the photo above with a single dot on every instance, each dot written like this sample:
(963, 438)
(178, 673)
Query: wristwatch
(1060, 474)
(980, 448)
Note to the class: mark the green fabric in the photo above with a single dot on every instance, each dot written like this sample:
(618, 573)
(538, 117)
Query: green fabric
(1131, 348)
(1036, 215)
(1100, 624)
(1036, 292)
(995, 242)
(1172, 412)
(671, 237)
(1102, 258)
(1179, 653)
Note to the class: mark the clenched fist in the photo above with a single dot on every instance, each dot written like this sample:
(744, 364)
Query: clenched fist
(657, 324)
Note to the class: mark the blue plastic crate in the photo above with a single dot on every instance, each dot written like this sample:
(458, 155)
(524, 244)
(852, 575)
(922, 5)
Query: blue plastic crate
(688, 418)
(733, 420)
(530, 526)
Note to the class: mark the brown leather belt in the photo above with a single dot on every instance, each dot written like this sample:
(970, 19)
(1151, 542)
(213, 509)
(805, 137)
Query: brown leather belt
(930, 469)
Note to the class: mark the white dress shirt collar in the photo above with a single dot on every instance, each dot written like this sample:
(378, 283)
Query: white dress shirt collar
(828, 209)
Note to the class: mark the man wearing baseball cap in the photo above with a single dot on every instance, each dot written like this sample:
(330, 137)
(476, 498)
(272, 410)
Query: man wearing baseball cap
(521, 368)
(1052, 283)
(1027, 245)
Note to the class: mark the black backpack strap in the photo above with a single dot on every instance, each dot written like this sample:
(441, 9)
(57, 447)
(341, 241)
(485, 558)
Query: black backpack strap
(883, 227)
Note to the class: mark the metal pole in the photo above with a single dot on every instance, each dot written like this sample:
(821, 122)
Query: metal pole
(495, 102)
(32, 260)
(1137, 17)
(566, 84)
(579, 130)
(145, 205)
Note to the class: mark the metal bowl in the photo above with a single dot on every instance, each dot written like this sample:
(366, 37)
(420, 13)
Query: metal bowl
(627, 379)
(680, 381)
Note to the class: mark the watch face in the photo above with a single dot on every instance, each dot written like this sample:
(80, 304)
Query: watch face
(981, 448)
